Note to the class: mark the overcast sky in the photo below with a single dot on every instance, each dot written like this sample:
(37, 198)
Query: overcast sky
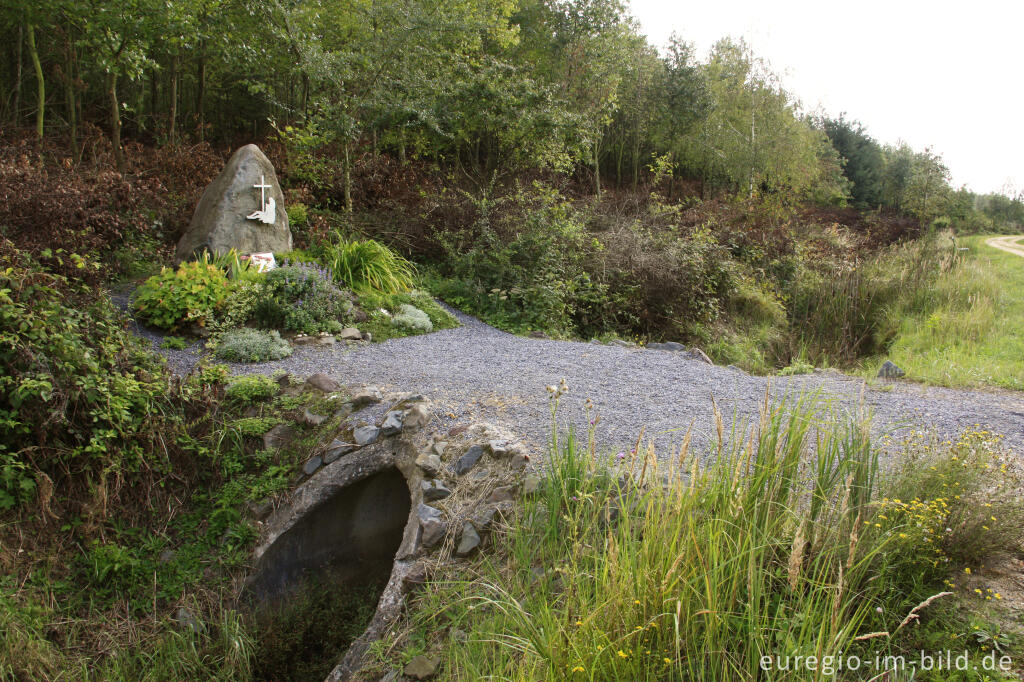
(936, 74)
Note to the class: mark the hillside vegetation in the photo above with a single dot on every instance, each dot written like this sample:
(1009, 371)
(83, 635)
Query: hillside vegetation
(536, 163)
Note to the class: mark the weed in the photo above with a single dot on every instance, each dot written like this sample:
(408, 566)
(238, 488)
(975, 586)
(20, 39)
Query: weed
(255, 388)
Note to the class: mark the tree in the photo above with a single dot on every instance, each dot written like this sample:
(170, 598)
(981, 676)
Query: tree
(863, 163)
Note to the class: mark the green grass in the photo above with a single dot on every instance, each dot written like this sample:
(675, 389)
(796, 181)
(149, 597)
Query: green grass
(974, 336)
(787, 541)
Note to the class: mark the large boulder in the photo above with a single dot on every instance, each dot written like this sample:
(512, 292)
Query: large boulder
(221, 223)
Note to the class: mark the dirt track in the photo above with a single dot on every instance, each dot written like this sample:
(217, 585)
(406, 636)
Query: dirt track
(1010, 244)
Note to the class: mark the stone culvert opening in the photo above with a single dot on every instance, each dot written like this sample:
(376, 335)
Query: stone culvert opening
(317, 586)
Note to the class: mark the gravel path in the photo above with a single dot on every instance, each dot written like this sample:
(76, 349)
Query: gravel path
(478, 372)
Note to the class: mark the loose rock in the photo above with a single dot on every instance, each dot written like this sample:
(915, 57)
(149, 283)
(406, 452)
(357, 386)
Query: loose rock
(364, 435)
(668, 345)
(697, 354)
(322, 382)
(417, 416)
(350, 334)
(392, 424)
(336, 449)
(434, 490)
(531, 484)
(890, 370)
(312, 418)
(432, 525)
(278, 437)
(431, 464)
(470, 540)
(422, 667)
(439, 448)
(367, 396)
(500, 448)
(312, 464)
(505, 493)
(469, 460)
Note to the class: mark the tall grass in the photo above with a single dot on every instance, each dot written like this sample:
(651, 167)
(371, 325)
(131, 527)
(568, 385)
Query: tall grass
(362, 265)
(686, 569)
(971, 333)
(855, 311)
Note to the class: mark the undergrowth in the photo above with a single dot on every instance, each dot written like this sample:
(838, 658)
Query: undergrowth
(787, 538)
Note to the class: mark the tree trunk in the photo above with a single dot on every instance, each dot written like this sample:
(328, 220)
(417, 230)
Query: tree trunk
(69, 98)
(115, 122)
(201, 90)
(41, 84)
(348, 179)
(173, 128)
(597, 168)
(17, 78)
(154, 94)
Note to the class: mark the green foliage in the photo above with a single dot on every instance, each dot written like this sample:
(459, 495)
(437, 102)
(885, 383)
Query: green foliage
(300, 297)
(248, 390)
(254, 427)
(967, 329)
(174, 343)
(93, 405)
(849, 312)
(252, 345)
(298, 215)
(236, 310)
(412, 318)
(609, 573)
(517, 269)
(381, 326)
(360, 265)
(179, 298)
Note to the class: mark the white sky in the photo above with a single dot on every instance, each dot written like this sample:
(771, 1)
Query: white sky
(936, 74)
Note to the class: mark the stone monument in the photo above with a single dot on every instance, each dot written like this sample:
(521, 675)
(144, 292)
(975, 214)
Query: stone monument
(242, 209)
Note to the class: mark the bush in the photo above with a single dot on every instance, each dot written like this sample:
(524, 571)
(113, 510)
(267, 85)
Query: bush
(236, 310)
(300, 297)
(78, 394)
(298, 215)
(412, 318)
(176, 298)
(368, 264)
(252, 345)
(251, 389)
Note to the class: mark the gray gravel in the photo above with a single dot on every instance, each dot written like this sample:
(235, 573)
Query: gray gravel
(478, 372)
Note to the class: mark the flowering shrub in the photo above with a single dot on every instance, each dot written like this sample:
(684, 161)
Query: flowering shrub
(176, 298)
(301, 297)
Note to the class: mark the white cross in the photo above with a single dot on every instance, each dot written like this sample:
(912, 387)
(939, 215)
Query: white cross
(263, 187)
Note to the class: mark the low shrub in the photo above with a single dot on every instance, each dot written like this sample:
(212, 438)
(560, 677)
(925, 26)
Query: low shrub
(252, 345)
(368, 264)
(300, 297)
(255, 388)
(412, 318)
(177, 298)
(78, 394)
(298, 215)
(238, 308)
